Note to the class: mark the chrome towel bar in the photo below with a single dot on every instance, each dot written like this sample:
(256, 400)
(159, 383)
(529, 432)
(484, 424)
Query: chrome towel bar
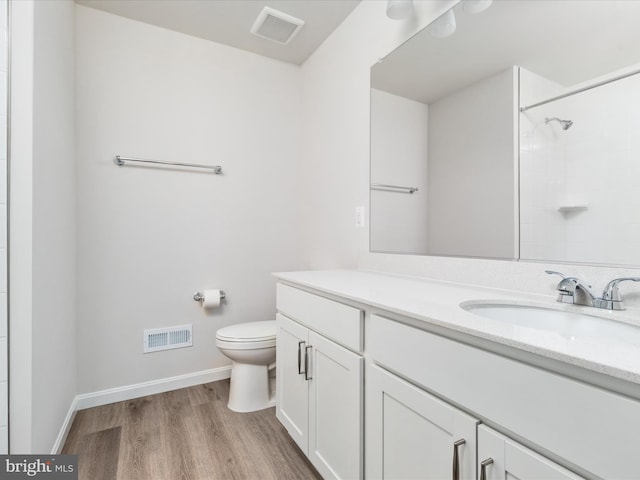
(393, 188)
(120, 161)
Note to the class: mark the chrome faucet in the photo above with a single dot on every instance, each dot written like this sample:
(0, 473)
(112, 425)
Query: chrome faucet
(573, 291)
(611, 298)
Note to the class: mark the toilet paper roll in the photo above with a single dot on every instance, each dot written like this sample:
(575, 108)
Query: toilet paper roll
(211, 298)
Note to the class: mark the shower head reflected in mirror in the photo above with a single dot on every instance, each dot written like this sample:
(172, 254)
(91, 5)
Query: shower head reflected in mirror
(565, 123)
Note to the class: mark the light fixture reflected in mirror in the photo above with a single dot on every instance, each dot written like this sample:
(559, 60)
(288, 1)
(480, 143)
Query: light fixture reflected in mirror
(444, 26)
(476, 6)
(399, 9)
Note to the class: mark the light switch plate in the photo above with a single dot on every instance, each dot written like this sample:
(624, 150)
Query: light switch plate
(359, 216)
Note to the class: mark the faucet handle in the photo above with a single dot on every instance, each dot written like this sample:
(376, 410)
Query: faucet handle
(565, 280)
(567, 285)
(551, 272)
(572, 279)
(611, 292)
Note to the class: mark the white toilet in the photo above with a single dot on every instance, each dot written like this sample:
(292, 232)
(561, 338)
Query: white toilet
(252, 347)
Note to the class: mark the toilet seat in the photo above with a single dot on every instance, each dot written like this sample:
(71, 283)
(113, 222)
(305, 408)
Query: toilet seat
(235, 345)
(246, 336)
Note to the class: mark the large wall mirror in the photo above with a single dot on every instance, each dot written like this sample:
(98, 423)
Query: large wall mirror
(511, 132)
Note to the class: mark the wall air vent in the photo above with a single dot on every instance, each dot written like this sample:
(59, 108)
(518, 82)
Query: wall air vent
(276, 26)
(157, 339)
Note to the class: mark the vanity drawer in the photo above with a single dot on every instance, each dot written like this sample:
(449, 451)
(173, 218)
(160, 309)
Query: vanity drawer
(339, 322)
(582, 425)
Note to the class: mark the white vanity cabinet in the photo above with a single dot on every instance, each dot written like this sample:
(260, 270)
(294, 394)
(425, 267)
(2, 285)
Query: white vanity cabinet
(413, 435)
(319, 381)
(586, 426)
(438, 402)
(500, 457)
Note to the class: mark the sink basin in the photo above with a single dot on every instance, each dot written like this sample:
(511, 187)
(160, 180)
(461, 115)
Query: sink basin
(570, 325)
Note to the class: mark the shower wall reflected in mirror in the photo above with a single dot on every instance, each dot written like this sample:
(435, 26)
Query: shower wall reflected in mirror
(579, 181)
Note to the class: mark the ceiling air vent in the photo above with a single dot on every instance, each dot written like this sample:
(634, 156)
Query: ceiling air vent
(277, 26)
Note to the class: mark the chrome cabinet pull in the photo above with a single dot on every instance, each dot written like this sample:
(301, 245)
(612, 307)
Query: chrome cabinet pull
(483, 468)
(306, 363)
(300, 372)
(456, 458)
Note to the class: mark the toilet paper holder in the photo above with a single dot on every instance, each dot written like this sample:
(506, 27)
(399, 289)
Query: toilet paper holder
(199, 296)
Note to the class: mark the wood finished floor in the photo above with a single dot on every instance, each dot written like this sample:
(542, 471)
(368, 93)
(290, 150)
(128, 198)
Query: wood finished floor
(184, 434)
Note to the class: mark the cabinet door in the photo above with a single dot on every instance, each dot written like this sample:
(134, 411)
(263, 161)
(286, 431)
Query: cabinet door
(292, 389)
(413, 435)
(506, 458)
(335, 409)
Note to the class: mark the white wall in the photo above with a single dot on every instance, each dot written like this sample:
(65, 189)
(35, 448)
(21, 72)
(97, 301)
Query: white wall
(54, 222)
(336, 117)
(42, 231)
(20, 227)
(399, 149)
(4, 352)
(336, 94)
(149, 238)
(472, 169)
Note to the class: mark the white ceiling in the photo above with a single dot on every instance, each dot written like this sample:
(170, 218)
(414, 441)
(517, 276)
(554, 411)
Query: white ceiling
(229, 21)
(567, 42)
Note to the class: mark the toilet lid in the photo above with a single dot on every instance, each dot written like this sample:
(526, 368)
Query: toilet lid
(252, 331)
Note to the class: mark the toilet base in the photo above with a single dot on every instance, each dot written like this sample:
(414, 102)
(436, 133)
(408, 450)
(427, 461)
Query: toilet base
(250, 388)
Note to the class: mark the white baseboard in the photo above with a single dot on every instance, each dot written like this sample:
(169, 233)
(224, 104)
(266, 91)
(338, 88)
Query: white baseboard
(119, 394)
(66, 426)
(128, 392)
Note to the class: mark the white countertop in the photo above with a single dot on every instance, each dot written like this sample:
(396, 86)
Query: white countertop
(438, 303)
